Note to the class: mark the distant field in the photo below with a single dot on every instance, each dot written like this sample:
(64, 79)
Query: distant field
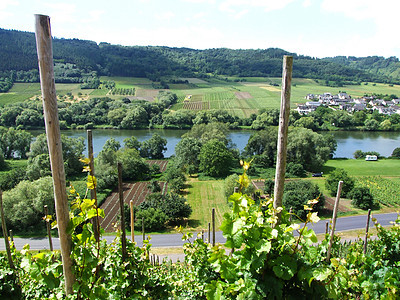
(360, 167)
(203, 196)
(239, 98)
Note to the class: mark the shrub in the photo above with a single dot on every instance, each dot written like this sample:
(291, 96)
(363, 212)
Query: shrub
(231, 182)
(269, 186)
(298, 192)
(361, 197)
(333, 179)
(295, 170)
(154, 219)
(396, 152)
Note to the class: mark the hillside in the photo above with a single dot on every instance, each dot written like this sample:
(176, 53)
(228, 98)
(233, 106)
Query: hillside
(18, 52)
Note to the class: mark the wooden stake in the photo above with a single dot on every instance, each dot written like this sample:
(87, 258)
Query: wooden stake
(143, 231)
(11, 235)
(132, 221)
(213, 226)
(283, 132)
(46, 212)
(335, 209)
(327, 227)
(121, 207)
(3, 226)
(209, 232)
(366, 231)
(93, 192)
(45, 59)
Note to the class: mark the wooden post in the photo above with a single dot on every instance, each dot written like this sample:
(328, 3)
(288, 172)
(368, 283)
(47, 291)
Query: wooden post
(11, 235)
(46, 212)
(143, 233)
(335, 209)
(290, 214)
(283, 132)
(327, 227)
(213, 226)
(121, 207)
(132, 221)
(45, 59)
(93, 192)
(3, 226)
(209, 232)
(366, 231)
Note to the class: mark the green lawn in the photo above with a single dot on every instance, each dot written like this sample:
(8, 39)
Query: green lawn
(202, 197)
(360, 167)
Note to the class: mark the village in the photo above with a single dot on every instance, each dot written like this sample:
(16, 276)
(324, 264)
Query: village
(343, 101)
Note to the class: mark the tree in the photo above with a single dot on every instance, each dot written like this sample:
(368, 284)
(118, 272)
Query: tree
(371, 125)
(361, 197)
(215, 159)
(187, 153)
(3, 163)
(72, 149)
(134, 167)
(154, 186)
(154, 147)
(298, 192)
(14, 143)
(154, 219)
(396, 152)
(306, 122)
(262, 146)
(135, 118)
(296, 170)
(26, 202)
(358, 154)
(333, 179)
(132, 143)
(112, 144)
(309, 148)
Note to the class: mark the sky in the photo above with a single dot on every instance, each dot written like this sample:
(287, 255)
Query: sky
(317, 28)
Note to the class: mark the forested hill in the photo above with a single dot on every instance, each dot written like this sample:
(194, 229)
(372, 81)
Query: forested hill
(18, 52)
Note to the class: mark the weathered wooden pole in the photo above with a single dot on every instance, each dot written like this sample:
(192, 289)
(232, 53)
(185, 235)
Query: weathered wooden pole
(93, 192)
(46, 212)
(11, 235)
(121, 207)
(209, 232)
(213, 226)
(366, 231)
(132, 221)
(50, 110)
(283, 132)
(335, 209)
(143, 233)
(4, 228)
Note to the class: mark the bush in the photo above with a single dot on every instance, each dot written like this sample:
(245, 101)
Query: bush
(10, 179)
(333, 179)
(295, 170)
(3, 163)
(361, 197)
(269, 186)
(396, 152)
(231, 182)
(298, 192)
(154, 219)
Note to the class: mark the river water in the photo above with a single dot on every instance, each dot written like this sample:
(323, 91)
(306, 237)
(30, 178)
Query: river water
(348, 141)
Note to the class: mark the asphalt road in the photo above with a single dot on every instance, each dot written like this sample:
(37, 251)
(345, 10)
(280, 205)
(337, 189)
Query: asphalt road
(175, 240)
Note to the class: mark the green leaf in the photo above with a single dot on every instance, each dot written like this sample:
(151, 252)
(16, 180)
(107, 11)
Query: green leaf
(322, 273)
(284, 267)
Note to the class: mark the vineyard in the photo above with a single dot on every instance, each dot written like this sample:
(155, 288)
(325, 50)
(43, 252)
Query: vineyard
(385, 191)
(136, 191)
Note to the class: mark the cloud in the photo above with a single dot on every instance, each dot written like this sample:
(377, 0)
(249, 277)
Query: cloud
(200, 1)
(267, 5)
(4, 4)
(61, 12)
(241, 14)
(306, 3)
(382, 14)
(165, 16)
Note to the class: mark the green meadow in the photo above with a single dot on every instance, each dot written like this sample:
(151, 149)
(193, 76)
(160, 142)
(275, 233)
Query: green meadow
(239, 98)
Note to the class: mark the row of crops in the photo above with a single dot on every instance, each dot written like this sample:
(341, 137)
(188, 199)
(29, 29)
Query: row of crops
(384, 190)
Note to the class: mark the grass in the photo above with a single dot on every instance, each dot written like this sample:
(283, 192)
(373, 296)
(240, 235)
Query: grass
(360, 167)
(203, 196)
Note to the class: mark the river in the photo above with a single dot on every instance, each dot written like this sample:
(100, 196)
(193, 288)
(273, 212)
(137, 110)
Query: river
(348, 141)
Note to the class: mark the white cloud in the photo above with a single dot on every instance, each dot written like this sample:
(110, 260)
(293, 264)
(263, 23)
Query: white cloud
(4, 5)
(200, 1)
(382, 14)
(241, 14)
(165, 16)
(266, 5)
(61, 12)
(306, 3)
